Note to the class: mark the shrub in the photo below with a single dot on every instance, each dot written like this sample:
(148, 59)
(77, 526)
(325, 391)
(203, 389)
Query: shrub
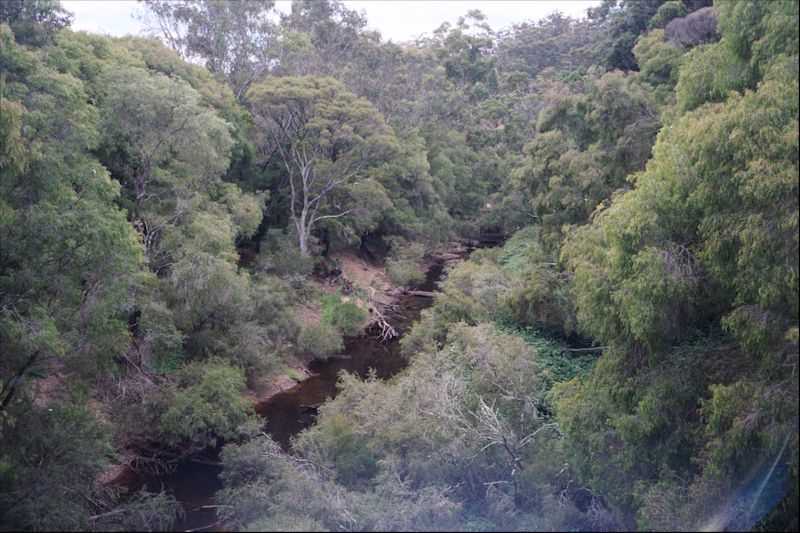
(345, 316)
(542, 297)
(402, 266)
(209, 404)
(473, 292)
(320, 339)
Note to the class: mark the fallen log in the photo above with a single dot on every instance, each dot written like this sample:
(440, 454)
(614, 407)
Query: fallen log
(422, 294)
(339, 357)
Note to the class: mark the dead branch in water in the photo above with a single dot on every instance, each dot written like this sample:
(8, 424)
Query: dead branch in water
(387, 331)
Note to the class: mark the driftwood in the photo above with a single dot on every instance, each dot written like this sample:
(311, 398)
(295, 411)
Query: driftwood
(387, 331)
(423, 294)
(339, 357)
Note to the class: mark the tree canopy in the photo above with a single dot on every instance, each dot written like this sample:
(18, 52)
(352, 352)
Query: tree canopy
(246, 198)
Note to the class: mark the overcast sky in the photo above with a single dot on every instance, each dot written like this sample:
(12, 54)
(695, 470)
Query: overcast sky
(398, 20)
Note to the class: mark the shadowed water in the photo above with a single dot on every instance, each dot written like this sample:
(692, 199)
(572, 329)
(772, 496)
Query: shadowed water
(194, 484)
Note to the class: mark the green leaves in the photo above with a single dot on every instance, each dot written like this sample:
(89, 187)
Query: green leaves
(68, 253)
(706, 243)
(589, 141)
(209, 405)
(320, 339)
(325, 137)
(344, 314)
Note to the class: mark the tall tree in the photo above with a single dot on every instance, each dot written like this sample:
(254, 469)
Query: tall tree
(234, 39)
(333, 31)
(163, 144)
(325, 137)
(68, 258)
(34, 22)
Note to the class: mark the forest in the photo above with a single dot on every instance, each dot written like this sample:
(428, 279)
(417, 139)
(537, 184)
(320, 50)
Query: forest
(190, 221)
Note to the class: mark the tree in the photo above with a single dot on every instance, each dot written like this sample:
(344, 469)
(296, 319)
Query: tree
(697, 28)
(235, 39)
(625, 20)
(162, 144)
(34, 22)
(691, 280)
(465, 56)
(328, 35)
(68, 258)
(325, 137)
(210, 405)
(556, 41)
(591, 136)
(48, 476)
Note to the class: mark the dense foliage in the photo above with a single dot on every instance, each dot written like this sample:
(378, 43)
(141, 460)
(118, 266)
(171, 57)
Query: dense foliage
(171, 213)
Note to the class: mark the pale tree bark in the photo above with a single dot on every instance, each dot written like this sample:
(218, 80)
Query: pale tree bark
(325, 137)
(306, 195)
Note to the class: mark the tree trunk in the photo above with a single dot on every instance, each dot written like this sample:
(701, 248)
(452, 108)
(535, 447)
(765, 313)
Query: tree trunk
(326, 240)
(303, 237)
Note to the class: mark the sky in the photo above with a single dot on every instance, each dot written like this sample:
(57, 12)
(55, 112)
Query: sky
(398, 20)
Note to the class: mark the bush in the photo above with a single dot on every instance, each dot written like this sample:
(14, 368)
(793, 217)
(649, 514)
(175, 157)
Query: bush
(402, 266)
(429, 332)
(542, 297)
(353, 462)
(345, 316)
(320, 339)
(210, 404)
(473, 292)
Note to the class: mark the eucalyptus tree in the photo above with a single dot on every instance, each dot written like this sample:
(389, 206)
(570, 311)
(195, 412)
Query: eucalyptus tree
(331, 32)
(67, 255)
(162, 144)
(235, 40)
(34, 22)
(325, 137)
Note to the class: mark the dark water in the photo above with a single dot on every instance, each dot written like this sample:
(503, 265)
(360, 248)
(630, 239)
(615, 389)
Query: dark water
(194, 483)
(295, 409)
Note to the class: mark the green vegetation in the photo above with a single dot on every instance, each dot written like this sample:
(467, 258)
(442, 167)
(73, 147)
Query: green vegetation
(171, 207)
(402, 264)
(208, 405)
(320, 339)
(293, 374)
(426, 443)
(343, 314)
